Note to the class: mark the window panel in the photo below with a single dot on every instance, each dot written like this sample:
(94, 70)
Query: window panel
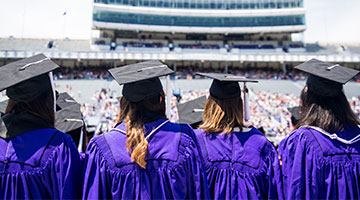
(105, 16)
(209, 4)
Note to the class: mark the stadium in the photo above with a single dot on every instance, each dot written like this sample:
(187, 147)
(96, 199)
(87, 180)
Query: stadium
(260, 39)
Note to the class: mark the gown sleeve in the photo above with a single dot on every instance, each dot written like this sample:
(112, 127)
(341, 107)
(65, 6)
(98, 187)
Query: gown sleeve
(197, 179)
(68, 171)
(95, 185)
(197, 185)
(297, 166)
(275, 190)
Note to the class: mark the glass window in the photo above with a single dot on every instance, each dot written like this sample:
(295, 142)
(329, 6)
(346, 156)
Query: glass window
(210, 4)
(186, 5)
(178, 4)
(206, 6)
(197, 21)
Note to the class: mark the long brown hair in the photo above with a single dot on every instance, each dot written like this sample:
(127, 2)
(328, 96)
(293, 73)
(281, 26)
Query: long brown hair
(327, 113)
(134, 116)
(222, 115)
(42, 106)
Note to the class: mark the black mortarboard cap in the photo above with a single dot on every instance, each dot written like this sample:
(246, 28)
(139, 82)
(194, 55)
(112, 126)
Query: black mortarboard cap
(191, 112)
(141, 79)
(65, 100)
(69, 118)
(295, 112)
(225, 86)
(326, 79)
(27, 78)
(295, 115)
(3, 105)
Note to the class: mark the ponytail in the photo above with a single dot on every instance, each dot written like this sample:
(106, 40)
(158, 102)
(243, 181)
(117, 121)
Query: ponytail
(136, 143)
(134, 115)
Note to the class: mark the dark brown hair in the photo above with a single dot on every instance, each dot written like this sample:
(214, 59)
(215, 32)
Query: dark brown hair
(134, 114)
(222, 115)
(42, 106)
(327, 113)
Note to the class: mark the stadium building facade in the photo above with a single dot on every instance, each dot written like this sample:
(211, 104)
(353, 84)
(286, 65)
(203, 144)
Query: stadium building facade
(199, 16)
(210, 24)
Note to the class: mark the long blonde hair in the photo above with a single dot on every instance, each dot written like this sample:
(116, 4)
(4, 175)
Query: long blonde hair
(222, 115)
(133, 114)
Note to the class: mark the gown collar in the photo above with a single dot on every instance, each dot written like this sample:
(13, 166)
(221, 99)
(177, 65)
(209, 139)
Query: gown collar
(334, 136)
(154, 126)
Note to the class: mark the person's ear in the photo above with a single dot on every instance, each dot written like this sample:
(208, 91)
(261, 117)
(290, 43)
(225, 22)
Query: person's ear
(161, 99)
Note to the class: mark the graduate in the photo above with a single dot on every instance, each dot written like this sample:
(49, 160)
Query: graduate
(37, 161)
(240, 162)
(69, 120)
(321, 158)
(145, 156)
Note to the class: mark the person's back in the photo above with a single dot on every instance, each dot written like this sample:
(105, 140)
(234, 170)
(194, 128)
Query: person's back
(240, 162)
(317, 167)
(240, 165)
(145, 156)
(39, 164)
(321, 158)
(36, 160)
(172, 162)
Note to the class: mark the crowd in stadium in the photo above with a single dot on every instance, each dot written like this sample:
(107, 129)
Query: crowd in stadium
(267, 110)
(182, 73)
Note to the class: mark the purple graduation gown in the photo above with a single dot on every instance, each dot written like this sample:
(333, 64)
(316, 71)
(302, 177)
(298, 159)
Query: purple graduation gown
(240, 165)
(317, 167)
(174, 167)
(40, 164)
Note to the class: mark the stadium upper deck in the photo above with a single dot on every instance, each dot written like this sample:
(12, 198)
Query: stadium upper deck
(76, 51)
(198, 16)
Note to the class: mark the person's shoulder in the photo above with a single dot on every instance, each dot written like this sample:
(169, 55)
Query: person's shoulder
(182, 136)
(184, 130)
(109, 147)
(257, 137)
(199, 132)
(105, 141)
(48, 136)
(64, 137)
(301, 136)
(183, 144)
(301, 133)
